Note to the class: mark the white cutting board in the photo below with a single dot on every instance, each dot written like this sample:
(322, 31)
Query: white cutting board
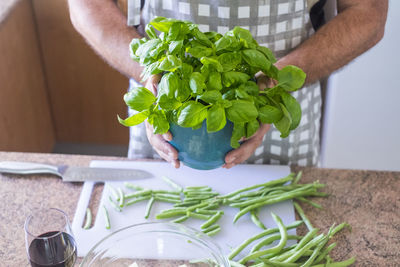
(221, 180)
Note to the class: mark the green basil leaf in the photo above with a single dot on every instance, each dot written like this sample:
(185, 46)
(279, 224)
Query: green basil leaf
(237, 133)
(241, 111)
(175, 47)
(251, 128)
(169, 83)
(228, 43)
(212, 96)
(135, 119)
(244, 34)
(151, 32)
(250, 87)
(139, 98)
(167, 103)
(229, 60)
(159, 122)
(229, 95)
(272, 72)
(191, 113)
(283, 125)
(213, 36)
(216, 119)
(186, 70)
(256, 59)
(197, 82)
(198, 50)
(162, 24)
(291, 78)
(144, 50)
(150, 70)
(269, 114)
(170, 63)
(214, 81)
(232, 78)
(267, 53)
(293, 107)
(183, 91)
(134, 45)
(213, 62)
(241, 94)
(201, 37)
(225, 103)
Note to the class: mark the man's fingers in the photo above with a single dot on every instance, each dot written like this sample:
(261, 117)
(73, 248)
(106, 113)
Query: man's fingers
(239, 155)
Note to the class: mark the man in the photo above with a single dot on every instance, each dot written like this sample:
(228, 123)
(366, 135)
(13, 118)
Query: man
(284, 26)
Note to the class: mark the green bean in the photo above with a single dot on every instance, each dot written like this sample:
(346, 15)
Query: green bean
(200, 205)
(276, 249)
(211, 220)
(197, 215)
(138, 194)
(177, 193)
(279, 264)
(309, 236)
(198, 188)
(338, 228)
(207, 212)
(167, 195)
(312, 203)
(113, 192)
(338, 263)
(325, 252)
(172, 183)
(298, 177)
(181, 219)
(303, 191)
(297, 254)
(115, 205)
(166, 215)
(210, 228)
(88, 222)
(213, 232)
(186, 204)
(245, 243)
(256, 220)
(268, 202)
(197, 198)
(271, 239)
(166, 199)
(270, 183)
(133, 186)
(121, 197)
(148, 208)
(133, 201)
(315, 253)
(303, 216)
(106, 217)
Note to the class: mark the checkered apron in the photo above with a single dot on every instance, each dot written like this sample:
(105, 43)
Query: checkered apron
(280, 25)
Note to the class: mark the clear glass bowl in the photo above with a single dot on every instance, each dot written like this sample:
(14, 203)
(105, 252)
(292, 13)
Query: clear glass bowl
(156, 244)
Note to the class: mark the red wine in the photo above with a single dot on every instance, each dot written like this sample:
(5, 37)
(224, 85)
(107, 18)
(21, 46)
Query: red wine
(58, 250)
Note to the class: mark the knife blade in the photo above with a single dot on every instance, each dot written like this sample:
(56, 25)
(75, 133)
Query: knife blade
(73, 173)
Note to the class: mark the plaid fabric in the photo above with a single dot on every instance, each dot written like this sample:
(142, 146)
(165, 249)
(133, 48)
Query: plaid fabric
(281, 25)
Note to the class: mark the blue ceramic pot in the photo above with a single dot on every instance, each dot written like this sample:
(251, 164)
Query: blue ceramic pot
(199, 149)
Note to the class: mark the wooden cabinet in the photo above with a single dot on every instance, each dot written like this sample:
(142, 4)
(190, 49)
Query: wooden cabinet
(53, 87)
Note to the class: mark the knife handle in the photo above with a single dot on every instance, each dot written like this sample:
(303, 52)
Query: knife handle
(19, 167)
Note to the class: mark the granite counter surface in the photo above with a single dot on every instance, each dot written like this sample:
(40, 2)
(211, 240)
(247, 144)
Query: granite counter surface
(368, 200)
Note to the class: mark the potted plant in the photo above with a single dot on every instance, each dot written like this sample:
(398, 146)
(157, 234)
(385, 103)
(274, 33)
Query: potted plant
(208, 88)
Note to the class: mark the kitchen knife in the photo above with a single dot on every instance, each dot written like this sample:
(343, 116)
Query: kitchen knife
(72, 173)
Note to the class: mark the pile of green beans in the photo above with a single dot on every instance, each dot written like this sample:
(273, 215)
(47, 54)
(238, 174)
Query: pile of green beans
(311, 250)
(251, 199)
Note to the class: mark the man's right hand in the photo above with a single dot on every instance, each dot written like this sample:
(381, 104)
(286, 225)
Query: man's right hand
(160, 142)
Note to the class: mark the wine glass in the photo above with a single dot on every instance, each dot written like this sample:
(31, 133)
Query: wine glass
(49, 239)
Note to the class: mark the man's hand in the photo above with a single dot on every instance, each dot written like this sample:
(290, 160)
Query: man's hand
(249, 145)
(158, 141)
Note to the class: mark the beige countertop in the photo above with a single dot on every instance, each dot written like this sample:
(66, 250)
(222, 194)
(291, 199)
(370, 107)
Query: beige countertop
(368, 200)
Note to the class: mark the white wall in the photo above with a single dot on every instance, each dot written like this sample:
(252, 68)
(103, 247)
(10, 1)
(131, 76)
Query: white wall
(362, 111)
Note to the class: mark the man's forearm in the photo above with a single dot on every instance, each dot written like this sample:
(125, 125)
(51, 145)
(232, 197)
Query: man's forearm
(104, 27)
(358, 26)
